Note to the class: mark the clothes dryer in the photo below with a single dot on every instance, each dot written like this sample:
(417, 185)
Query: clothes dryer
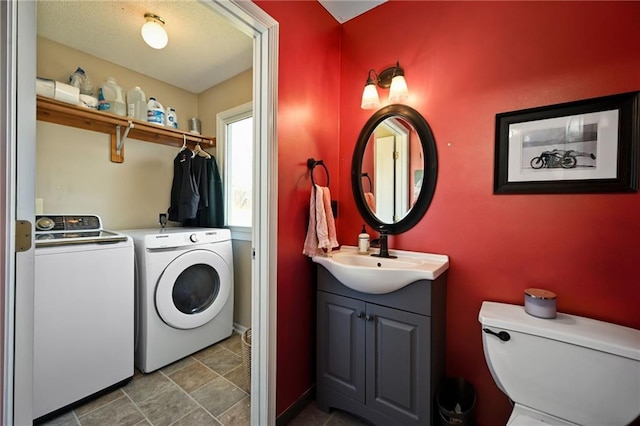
(184, 292)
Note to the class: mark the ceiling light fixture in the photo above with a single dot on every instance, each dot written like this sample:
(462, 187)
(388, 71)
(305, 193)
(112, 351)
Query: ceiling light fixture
(153, 31)
(393, 78)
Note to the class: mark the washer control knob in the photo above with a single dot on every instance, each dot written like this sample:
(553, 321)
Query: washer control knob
(45, 224)
(193, 238)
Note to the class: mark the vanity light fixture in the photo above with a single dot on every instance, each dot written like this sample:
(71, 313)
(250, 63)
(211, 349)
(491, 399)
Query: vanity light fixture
(153, 31)
(393, 78)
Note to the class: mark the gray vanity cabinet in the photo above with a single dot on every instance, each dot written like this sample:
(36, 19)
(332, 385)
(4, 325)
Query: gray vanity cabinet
(341, 338)
(380, 356)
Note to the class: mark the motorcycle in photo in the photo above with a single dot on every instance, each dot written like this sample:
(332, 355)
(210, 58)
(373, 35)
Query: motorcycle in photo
(559, 158)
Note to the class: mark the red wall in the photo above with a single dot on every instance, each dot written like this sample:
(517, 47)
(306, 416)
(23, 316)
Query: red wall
(464, 62)
(308, 101)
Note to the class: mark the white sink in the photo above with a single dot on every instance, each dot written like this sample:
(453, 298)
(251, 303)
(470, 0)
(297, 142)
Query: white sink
(376, 275)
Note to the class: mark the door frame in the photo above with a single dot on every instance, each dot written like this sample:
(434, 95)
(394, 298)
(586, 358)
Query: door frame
(256, 23)
(17, 201)
(18, 76)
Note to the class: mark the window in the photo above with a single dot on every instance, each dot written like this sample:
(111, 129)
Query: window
(235, 155)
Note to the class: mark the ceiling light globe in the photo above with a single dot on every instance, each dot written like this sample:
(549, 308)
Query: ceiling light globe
(154, 34)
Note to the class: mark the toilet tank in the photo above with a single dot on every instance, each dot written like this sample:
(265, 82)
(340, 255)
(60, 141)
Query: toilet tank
(577, 369)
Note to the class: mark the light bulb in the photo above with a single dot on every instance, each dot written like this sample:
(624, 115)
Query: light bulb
(399, 91)
(154, 33)
(370, 98)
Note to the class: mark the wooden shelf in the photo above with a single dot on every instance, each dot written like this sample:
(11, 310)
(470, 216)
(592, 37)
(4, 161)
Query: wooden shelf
(53, 111)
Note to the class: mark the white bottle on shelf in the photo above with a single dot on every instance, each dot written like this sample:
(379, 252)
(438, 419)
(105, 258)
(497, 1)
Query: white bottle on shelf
(155, 112)
(171, 118)
(137, 104)
(111, 97)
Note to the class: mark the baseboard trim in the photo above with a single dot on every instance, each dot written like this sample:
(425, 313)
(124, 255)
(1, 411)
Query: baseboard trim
(239, 329)
(296, 408)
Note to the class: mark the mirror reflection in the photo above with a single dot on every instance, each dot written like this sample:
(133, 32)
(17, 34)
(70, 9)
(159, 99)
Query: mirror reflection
(394, 169)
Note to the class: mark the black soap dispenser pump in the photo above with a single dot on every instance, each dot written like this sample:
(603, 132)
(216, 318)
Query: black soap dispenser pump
(363, 241)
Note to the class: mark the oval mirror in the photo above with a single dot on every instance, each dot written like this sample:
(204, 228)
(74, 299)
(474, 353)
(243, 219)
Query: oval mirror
(394, 169)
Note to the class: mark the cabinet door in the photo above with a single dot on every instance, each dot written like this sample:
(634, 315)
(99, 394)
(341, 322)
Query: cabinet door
(341, 333)
(398, 363)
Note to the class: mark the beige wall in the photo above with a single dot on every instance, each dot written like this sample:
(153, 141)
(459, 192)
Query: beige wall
(74, 173)
(242, 278)
(57, 62)
(224, 96)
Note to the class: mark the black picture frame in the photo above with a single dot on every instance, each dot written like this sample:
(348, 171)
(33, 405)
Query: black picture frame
(586, 146)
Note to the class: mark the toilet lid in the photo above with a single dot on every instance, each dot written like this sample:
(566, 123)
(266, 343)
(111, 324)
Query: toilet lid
(589, 333)
(525, 416)
(524, 420)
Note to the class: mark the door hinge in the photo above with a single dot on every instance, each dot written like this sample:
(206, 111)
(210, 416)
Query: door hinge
(23, 235)
(396, 155)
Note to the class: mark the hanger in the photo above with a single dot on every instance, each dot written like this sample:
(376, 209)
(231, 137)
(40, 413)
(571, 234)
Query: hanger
(184, 143)
(200, 152)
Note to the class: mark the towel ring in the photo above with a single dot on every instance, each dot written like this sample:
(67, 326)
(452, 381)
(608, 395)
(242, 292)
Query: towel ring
(311, 164)
(365, 174)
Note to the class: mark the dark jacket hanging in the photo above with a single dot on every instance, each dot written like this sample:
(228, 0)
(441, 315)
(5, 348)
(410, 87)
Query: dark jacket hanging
(184, 191)
(210, 212)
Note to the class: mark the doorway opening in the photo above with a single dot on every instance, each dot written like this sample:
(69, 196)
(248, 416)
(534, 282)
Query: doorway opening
(264, 32)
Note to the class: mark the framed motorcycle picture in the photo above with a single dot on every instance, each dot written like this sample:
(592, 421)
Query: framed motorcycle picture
(586, 146)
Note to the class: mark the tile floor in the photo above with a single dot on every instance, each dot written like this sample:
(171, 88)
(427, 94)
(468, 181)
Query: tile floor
(206, 388)
(311, 415)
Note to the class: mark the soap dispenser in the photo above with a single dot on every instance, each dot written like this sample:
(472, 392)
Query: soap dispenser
(363, 241)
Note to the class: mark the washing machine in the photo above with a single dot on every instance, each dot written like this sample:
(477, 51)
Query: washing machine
(83, 322)
(184, 292)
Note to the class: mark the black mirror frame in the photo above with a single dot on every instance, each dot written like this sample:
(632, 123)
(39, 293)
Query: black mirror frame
(430, 168)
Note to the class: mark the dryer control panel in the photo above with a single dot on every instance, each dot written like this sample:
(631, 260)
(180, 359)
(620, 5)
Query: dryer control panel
(181, 237)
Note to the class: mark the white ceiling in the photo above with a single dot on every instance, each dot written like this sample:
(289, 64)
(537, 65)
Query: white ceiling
(204, 49)
(343, 10)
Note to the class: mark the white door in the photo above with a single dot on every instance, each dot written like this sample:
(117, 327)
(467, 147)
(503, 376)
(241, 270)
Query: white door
(385, 178)
(17, 161)
(391, 155)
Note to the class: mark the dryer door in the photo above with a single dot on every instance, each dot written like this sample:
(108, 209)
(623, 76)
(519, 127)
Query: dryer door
(193, 289)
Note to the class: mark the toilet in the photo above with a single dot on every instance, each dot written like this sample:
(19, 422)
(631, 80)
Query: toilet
(568, 370)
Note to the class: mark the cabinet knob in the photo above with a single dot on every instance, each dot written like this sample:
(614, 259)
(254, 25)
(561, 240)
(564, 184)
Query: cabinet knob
(369, 317)
(360, 315)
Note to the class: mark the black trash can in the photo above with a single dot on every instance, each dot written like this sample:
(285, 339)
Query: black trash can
(456, 399)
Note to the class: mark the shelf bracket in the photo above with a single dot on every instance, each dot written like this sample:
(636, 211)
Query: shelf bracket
(117, 142)
(120, 140)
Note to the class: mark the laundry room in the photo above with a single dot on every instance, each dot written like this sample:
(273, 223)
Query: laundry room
(74, 173)
(78, 175)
